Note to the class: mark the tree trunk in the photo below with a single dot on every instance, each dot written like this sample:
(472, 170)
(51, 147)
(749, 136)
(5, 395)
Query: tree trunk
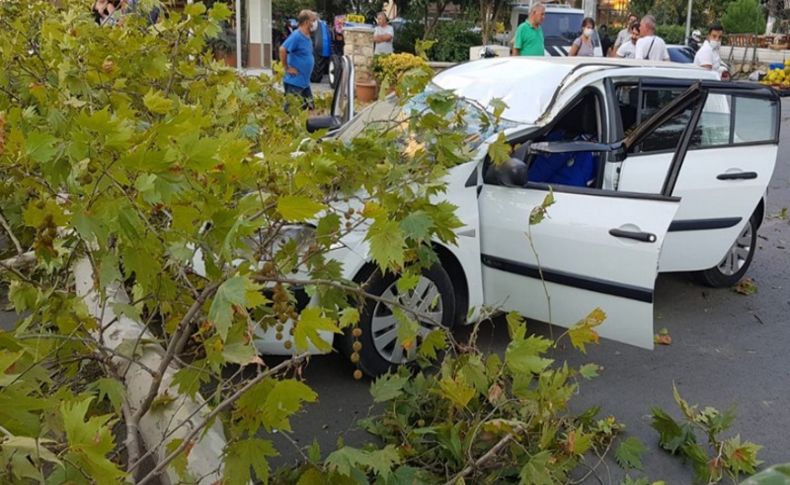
(176, 419)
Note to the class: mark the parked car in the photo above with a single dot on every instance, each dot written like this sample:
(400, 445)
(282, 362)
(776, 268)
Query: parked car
(561, 26)
(654, 167)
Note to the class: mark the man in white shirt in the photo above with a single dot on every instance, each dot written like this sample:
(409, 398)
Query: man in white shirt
(650, 46)
(708, 56)
(623, 35)
(627, 50)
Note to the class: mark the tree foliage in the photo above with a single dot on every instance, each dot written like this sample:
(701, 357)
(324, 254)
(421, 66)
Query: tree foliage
(744, 17)
(130, 146)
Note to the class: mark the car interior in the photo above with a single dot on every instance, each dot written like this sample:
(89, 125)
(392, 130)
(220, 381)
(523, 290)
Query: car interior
(580, 122)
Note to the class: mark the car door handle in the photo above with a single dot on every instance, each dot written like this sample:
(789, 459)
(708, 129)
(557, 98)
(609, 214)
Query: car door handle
(635, 235)
(737, 176)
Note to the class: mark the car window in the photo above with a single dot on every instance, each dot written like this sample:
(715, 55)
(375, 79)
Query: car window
(755, 120)
(666, 136)
(713, 128)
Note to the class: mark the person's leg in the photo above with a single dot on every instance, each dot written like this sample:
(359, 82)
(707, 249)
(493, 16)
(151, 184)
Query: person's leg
(291, 90)
(307, 97)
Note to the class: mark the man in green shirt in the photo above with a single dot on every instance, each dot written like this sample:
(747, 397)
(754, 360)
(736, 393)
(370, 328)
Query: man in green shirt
(529, 35)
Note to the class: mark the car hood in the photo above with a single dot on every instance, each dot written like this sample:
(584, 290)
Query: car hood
(527, 91)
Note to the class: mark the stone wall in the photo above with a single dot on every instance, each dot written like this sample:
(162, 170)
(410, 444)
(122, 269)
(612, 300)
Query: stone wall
(359, 46)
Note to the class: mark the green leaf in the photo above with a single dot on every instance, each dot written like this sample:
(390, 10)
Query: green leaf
(524, 356)
(156, 102)
(671, 435)
(181, 461)
(741, 457)
(189, 379)
(312, 321)
(195, 9)
(23, 296)
(408, 281)
(90, 441)
(499, 150)
(387, 244)
(380, 462)
(775, 475)
(245, 454)
(348, 317)
(456, 390)
(32, 447)
(417, 226)
(284, 400)
(39, 146)
(432, 343)
(629, 453)
(537, 471)
(314, 451)
(584, 331)
(516, 326)
(498, 107)
(219, 12)
(295, 208)
(231, 292)
(113, 390)
(388, 387)
(589, 371)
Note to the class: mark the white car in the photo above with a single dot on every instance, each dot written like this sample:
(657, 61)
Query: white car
(655, 167)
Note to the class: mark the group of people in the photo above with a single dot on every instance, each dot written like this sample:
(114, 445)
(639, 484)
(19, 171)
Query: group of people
(111, 12)
(297, 57)
(638, 40)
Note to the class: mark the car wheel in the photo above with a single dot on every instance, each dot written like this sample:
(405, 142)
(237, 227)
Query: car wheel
(737, 260)
(380, 350)
(335, 66)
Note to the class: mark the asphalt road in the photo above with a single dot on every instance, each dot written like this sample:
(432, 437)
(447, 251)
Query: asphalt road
(727, 349)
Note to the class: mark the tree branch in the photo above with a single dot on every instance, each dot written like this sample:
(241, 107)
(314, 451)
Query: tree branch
(490, 455)
(187, 441)
(11, 235)
(176, 344)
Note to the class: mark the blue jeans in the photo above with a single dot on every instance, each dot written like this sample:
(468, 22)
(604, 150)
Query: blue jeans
(305, 93)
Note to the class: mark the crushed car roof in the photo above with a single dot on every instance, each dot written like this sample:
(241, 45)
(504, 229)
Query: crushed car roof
(528, 84)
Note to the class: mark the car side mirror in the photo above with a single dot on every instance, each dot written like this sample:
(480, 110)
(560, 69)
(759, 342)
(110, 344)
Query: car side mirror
(511, 173)
(616, 150)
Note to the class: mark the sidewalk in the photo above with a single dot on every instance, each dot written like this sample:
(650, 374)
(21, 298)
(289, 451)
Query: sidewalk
(317, 88)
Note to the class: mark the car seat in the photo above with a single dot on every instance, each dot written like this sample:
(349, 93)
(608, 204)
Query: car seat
(578, 169)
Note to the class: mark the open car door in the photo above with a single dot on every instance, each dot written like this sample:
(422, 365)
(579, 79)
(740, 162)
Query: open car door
(594, 249)
(342, 100)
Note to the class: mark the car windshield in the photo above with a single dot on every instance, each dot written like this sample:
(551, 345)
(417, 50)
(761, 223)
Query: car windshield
(478, 124)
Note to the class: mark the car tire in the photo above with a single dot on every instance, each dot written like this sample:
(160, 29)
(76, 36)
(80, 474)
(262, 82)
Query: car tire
(319, 69)
(379, 352)
(735, 264)
(335, 67)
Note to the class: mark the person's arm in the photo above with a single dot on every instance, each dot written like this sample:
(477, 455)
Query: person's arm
(385, 36)
(284, 59)
(516, 49)
(621, 52)
(574, 48)
(704, 58)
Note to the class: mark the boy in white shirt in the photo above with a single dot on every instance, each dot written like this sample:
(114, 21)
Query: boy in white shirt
(708, 56)
(627, 50)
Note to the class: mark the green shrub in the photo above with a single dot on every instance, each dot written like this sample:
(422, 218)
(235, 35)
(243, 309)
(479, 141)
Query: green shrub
(453, 40)
(744, 17)
(672, 34)
(407, 35)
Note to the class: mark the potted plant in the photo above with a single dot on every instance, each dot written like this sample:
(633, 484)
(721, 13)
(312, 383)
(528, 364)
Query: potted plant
(388, 69)
(224, 45)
